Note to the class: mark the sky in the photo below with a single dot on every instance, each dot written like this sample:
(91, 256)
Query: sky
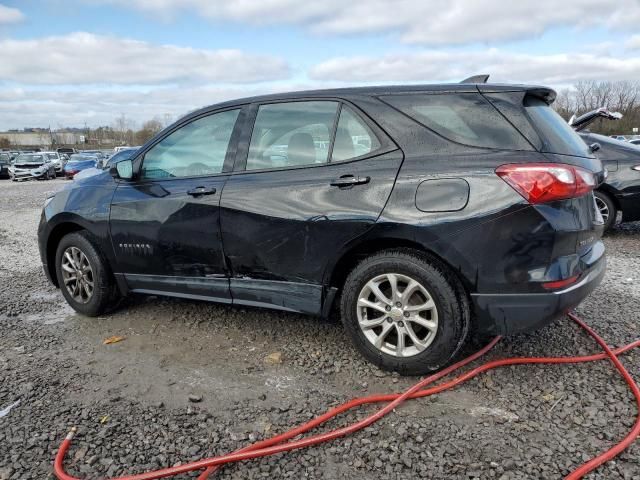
(86, 62)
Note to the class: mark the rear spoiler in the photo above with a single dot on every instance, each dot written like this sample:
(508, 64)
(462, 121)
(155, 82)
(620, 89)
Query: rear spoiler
(547, 95)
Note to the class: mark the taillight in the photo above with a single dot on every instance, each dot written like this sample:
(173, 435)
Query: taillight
(560, 283)
(545, 182)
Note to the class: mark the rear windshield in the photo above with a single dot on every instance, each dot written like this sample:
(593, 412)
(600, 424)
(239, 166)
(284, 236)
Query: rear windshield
(556, 134)
(465, 118)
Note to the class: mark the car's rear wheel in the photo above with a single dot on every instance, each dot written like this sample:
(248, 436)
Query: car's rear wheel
(607, 209)
(404, 312)
(84, 276)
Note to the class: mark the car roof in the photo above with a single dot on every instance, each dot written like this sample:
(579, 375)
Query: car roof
(384, 90)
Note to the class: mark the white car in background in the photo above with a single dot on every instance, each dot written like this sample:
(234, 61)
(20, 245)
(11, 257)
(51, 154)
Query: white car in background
(28, 166)
(58, 160)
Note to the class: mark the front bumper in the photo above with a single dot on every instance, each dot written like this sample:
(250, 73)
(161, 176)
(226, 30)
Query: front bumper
(503, 314)
(20, 174)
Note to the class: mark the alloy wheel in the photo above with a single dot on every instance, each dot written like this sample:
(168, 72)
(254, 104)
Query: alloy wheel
(77, 274)
(397, 314)
(604, 209)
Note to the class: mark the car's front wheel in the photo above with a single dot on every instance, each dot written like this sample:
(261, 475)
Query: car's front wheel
(84, 276)
(404, 313)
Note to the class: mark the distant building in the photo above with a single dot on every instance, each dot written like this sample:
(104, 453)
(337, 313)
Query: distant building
(43, 138)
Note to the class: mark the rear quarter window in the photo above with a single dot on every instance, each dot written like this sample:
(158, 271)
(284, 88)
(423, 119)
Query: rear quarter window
(556, 134)
(465, 118)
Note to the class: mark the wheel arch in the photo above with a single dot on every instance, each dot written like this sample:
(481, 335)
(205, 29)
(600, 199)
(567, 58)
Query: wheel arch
(347, 261)
(53, 240)
(611, 193)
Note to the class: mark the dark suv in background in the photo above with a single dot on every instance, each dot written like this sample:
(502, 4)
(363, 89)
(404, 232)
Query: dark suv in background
(421, 211)
(620, 192)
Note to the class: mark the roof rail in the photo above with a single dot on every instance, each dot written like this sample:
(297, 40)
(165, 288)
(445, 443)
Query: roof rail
(476, 79)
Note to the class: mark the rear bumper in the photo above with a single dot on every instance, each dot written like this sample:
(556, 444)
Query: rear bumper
(503, 314)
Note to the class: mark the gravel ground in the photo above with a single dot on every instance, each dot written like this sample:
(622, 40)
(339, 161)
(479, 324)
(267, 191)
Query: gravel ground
(131, 400)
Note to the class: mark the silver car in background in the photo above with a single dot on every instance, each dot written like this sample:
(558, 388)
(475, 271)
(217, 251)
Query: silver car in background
(31, 166)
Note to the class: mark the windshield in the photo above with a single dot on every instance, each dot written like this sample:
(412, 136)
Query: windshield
(29, 159)
(52, 156)
(557, 136)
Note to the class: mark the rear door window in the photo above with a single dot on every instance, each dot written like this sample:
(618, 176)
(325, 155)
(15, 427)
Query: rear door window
(465, 118)
(353, 137)
(291, 134)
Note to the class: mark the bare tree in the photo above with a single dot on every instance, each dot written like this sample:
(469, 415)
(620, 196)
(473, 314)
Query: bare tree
(149, 129)
(623, 97)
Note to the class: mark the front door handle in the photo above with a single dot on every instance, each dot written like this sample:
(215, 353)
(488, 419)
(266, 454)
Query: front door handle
(196, 192)
(349, 181)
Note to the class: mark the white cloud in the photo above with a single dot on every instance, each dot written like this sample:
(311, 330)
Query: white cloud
(557, 69)
(10, 15)
(633, 43)
(432, 22)
(58, 106)
(85, 58)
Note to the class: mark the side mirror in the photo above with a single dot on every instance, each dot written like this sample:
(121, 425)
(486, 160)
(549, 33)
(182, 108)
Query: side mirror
(123, 170)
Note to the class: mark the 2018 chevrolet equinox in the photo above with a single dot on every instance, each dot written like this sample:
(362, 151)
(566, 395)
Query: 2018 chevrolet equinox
(423, 212)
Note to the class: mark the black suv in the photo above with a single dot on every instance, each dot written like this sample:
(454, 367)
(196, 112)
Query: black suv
(621, 190)
(423, 212)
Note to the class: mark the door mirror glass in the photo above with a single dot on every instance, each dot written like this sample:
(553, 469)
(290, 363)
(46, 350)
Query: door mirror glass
(123, 169)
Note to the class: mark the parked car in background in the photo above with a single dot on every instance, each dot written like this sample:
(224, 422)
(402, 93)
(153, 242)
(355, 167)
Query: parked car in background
(58, 159)
(423, 211)
(78, 162)
(123, 154)
(31, 166)
(124, 147)
(104, 163)
(96, 153)
(67, 151)
(5, 162)
(620, 192)
(635, 141)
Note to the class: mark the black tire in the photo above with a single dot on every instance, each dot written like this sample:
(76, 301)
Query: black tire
(446, 291)
(608, 206)
(105, 294)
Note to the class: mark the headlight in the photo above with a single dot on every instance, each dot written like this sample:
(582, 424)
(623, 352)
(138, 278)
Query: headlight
(636, 168)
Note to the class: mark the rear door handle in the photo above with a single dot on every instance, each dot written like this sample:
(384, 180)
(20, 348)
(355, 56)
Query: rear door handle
(349, 180)
(196, 192)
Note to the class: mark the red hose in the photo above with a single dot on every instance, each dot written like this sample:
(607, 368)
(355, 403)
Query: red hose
(273, 445)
